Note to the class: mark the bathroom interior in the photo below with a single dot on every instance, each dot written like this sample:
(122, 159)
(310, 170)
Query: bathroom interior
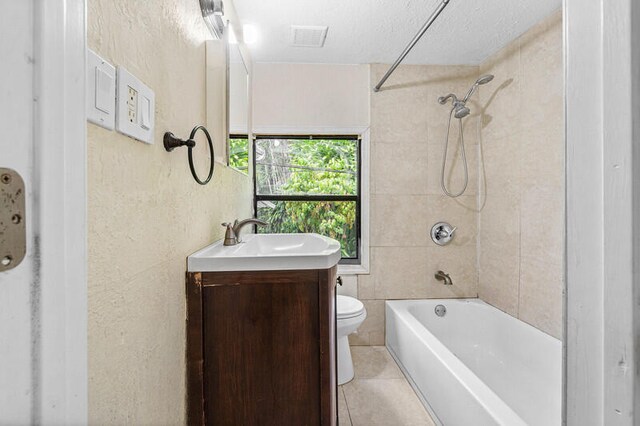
(484, 86)
(323, 213)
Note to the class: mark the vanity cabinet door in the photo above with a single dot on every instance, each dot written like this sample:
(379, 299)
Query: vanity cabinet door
(265, 353)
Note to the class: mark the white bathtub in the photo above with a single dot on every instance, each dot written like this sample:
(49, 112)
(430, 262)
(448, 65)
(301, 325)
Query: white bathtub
(476, 365)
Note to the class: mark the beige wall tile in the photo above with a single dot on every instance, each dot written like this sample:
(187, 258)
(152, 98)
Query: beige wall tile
(542, 71)
(501, 164)
(366, 288)
(522, 163)
(398, 112)
(460, 212)
(405, 168)
(500, 100)
(499, 252)
(499, 217)
(514, 141)
(371, 332)
(541, 294)
(499, 273)
(454, 172)
(399, 168)
(399, 272)
(460, 264)
(395, 220)
(544, 151)
(542, 270)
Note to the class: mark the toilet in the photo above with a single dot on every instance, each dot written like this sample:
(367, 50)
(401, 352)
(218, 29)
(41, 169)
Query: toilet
(350, 314)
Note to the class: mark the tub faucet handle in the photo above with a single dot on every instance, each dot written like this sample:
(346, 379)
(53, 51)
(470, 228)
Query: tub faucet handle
(442, 233)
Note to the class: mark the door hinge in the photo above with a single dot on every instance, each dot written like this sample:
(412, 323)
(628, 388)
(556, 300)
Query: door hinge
(13, 235)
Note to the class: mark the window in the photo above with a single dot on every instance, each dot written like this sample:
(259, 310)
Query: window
(239, 152)
(310, 184)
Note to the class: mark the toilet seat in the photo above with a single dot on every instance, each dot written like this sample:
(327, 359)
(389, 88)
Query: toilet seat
(348, 307)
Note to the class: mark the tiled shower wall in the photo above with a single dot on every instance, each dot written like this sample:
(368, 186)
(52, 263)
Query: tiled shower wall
(521, 235)
(508, 247)
(408, 127)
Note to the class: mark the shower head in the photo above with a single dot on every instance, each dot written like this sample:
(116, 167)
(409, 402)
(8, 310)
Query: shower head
(460, 110)
(484, 79)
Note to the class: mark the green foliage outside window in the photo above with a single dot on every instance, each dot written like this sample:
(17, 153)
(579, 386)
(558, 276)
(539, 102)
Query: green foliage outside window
(239, 153)
(309, 167)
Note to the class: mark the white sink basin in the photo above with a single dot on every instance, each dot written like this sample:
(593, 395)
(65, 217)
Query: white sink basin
(268, 252)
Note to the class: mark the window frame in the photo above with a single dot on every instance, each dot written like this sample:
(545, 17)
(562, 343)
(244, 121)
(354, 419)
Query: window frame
(355, 261)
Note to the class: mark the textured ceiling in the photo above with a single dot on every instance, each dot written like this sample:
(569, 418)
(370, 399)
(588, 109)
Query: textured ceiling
(370, 31)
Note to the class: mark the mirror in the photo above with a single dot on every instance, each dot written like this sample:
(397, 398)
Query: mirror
(238, 110)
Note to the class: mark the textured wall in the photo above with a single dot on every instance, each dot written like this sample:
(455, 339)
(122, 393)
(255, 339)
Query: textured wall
(310, 96)
(522, 218)
(146, 214)
(408, 127)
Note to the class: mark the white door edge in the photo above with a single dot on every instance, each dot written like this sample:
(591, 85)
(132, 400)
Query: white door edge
(61, 176)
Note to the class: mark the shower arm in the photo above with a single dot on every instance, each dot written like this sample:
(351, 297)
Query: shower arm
(412, 43)
(443, 99)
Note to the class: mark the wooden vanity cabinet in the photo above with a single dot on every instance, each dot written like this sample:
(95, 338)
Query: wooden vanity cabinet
(261, 348)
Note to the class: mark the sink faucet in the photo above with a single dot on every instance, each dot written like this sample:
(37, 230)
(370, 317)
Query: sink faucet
(232, 234)
(441, 276)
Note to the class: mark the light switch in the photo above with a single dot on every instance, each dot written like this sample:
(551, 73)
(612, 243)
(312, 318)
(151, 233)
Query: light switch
(134, 107)
(105, 92)
(101, 91)
(145, 113)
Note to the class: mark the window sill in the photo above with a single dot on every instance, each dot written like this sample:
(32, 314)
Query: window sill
(352, 270)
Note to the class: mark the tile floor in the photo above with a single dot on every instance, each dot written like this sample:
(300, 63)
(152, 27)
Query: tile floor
(379, 394)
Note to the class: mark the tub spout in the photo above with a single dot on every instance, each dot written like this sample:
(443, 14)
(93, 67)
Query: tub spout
(441, 276)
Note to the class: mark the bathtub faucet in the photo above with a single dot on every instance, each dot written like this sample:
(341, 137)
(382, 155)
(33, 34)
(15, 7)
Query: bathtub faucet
(441, 276)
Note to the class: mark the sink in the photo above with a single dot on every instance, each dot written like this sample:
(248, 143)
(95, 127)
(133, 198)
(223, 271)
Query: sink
(268, 252)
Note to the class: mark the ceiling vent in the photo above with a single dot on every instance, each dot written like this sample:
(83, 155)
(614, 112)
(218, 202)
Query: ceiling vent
(308, 36)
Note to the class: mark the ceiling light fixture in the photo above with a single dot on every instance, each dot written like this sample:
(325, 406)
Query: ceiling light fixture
(212, 12)
(250, 34)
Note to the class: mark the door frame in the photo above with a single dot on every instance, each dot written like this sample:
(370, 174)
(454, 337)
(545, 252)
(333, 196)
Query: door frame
(602, 109)
(602, 120)
(60, 185)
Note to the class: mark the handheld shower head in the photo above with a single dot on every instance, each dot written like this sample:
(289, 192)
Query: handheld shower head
(484, 79)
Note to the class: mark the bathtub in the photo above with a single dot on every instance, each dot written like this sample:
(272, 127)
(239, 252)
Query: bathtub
(476, 365)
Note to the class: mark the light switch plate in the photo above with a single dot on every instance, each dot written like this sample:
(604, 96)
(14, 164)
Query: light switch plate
(135, 106)
(101, 91)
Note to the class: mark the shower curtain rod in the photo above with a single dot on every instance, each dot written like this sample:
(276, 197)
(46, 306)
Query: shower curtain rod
(412, 43)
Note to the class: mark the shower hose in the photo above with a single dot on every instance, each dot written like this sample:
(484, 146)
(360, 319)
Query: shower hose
(462, 154)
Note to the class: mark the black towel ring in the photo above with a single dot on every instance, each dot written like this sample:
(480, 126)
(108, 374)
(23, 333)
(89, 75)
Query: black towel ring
(171, 142)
